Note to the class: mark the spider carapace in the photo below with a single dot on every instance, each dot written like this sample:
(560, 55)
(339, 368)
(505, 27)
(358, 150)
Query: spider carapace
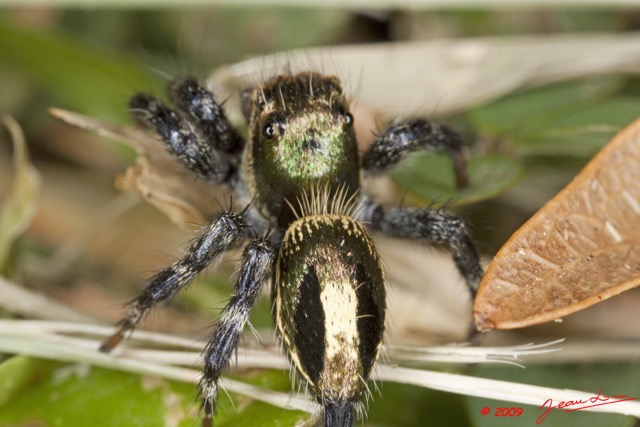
(298, 174)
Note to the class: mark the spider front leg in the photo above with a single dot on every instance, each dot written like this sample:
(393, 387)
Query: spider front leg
(198, 133)
(216, 239)
(438, 226)
(398, 140)
(433, 225)
(201, 107)
(257, 266)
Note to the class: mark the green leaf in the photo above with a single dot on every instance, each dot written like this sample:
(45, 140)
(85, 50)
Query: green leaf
(412, 406)
(579, 132)
(258, 414)
(520, 111)
(430, 178)
(18, 209)
(53, 393)
(575, 118)
(77, 74)
(612, 379)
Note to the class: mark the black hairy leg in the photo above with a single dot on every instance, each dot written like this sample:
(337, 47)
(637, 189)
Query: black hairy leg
(188, 96)
(433, 225)
(197, 132)
(257, 266)
(390, 147)
(216, 239)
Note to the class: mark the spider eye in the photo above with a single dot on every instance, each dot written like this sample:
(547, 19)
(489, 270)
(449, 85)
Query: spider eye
(273, 127)
(343, 114)
(269, 131)
(348, 119)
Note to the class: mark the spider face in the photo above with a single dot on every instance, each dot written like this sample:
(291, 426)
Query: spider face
(300, 137)
(298, 174)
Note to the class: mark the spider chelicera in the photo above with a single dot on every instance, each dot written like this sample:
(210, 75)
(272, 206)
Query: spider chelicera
(299, 175)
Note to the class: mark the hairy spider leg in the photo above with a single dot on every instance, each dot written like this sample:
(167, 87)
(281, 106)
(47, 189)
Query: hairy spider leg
(438, 226)
(198, 149)
(256, 268)
(216, 239)
(188, 96)
(390, 147)
(434, 225)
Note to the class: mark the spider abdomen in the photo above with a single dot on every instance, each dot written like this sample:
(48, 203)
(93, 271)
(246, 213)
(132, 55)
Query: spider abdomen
(330, 308)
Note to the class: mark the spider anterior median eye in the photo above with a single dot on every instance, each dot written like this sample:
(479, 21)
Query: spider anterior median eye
(342, 114)
(273, 128)
(348, 119)
(269, 130)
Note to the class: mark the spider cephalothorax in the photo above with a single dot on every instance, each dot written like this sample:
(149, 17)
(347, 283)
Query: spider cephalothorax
(298, 175)
(301, 137)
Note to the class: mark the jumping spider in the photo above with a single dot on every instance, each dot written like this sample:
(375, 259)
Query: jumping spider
(299, 175)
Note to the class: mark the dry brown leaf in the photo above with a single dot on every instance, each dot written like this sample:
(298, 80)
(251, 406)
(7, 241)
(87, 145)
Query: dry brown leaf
(157, 175)
(442, 76)
(19, 207)
(581, 248)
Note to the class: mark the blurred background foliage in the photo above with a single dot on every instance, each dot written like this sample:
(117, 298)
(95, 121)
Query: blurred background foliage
(91, 247)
